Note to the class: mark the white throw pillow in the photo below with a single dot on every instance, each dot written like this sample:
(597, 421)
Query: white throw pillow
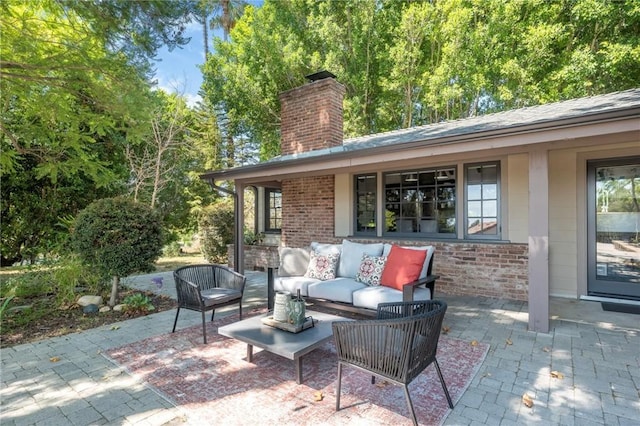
(294, 262)
(322, 266)
(370, 270)
(351, 256)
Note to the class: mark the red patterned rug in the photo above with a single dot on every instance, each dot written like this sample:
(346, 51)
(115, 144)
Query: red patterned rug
(214, 383)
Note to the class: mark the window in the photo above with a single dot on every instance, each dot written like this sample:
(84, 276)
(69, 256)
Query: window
(365, 190)
(273, 212)
(483, 207)
(421, 201)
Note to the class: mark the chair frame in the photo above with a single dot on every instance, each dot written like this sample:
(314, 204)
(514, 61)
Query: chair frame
(192, 280)
(397, 346)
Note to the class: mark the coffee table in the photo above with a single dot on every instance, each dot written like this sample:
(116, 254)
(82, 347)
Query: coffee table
(280, 342)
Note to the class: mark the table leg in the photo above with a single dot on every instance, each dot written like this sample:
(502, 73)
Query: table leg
(298, 362)
(249, 353)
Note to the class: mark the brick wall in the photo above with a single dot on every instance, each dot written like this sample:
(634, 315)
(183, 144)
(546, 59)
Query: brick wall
(256, 258)
(311, 116)
(307, 210)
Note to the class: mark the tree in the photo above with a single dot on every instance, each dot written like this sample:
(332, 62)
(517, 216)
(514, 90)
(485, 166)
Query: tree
(118, 237)
(73, 79)
(407, 63)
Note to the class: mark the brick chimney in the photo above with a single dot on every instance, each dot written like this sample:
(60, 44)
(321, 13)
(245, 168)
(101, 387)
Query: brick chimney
(311, 115)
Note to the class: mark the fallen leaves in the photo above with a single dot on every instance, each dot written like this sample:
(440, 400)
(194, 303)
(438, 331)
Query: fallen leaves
(54, 359)
(115, 327)
(318, 396)
(527, 400)
(557, 375)
(474, 343)
(446, 329)
(509, 342)
(546, 349)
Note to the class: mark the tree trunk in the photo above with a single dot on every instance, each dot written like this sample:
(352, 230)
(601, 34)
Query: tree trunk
(115, 283)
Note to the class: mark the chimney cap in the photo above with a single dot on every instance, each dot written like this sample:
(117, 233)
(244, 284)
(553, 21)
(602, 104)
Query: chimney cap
(320, 75)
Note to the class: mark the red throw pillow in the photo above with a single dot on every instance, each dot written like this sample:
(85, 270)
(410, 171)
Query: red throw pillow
(403, 266)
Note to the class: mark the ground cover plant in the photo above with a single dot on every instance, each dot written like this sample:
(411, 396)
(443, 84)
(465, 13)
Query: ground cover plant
(38, 303)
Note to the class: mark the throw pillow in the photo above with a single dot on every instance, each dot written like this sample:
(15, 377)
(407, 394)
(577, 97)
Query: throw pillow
(322, 266)
(294, 262)
(352, 256)
(403, 266)
(430, 250)
(370, 270)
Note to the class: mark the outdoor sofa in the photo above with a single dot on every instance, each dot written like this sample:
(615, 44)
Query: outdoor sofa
(354, 276)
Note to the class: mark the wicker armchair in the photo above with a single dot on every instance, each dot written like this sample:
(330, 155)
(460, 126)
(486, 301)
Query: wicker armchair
(397, 346)
(207, 287)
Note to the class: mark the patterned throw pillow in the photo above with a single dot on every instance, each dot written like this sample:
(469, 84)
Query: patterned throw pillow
(371, 269)
(322, 266)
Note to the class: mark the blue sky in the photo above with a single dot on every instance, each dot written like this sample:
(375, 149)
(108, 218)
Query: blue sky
(177, 71)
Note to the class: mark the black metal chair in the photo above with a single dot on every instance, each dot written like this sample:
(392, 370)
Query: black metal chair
(397, 346)
(207, 287)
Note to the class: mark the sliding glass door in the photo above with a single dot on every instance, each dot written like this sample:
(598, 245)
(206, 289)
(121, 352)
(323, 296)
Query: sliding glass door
(614, 228)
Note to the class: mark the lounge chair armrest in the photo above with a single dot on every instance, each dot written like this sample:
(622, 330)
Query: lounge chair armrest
(408, 289)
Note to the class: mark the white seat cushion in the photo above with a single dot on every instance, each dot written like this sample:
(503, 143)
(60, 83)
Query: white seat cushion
(293, 284)
(370, 297)
(337, 290)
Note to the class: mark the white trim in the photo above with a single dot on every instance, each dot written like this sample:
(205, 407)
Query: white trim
(610, 300)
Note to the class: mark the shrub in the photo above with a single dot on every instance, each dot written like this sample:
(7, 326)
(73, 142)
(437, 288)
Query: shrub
(137, 304)
(118, 237)
(216, 230)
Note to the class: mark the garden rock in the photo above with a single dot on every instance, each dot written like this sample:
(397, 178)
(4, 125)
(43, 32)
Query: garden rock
(118, 308)
(105, 309)
(90, 300)
(90, 309)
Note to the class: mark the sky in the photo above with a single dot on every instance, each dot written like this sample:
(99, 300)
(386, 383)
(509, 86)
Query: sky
(177, 71)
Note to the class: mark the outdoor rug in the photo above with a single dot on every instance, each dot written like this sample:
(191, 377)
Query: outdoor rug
(214, 383)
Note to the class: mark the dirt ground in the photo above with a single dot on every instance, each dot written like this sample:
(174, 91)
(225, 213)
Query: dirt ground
(59, 322)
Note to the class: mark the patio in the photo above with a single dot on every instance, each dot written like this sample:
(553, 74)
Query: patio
(66, 380)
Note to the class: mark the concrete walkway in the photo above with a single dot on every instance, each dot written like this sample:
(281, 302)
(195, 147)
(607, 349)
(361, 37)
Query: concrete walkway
(66, 381)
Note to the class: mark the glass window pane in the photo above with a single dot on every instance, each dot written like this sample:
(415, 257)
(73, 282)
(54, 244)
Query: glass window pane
(490, 191)
(474, 192)
(490, 208)
(474, 209)
(489, 226)
(482, 201)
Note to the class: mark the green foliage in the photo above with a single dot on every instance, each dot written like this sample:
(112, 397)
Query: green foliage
(216, 230)
(138, 304)
(118, 237)
(75, 92)
(413, 63)
(62, 279)
(5, 305)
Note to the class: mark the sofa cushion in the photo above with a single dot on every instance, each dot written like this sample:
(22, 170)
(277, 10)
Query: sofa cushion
(322, 266)
(369, 297)
(293, 284)
(337, 290)
(370, 270)
(425, 268)
(323, 248)
(351, 257)
(403, 266)
(294, 262)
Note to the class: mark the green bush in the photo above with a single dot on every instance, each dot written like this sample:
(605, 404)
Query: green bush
(118, 237)
(216, 230)
(137, 303)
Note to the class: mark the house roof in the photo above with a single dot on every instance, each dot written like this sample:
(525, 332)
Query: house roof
(575, 112)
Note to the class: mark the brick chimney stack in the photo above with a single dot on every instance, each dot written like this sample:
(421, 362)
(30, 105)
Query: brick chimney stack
(311, 115)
